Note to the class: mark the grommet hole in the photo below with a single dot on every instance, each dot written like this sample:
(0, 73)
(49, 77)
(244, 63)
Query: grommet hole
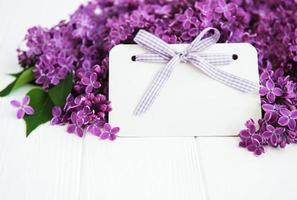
(234, 56)
(133, 58)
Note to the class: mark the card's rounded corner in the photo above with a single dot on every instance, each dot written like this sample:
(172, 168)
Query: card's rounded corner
(114, 48)
(251, 47)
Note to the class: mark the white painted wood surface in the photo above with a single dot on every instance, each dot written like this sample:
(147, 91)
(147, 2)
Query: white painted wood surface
(53, 165)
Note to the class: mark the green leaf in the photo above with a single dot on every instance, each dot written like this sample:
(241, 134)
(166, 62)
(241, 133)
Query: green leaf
(42, 105)
(26, 77)
(16, 74)
(59, 93)
(22, 78)
(7, 90)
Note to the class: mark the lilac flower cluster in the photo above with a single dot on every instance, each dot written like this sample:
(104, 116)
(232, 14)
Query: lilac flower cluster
(82, 45)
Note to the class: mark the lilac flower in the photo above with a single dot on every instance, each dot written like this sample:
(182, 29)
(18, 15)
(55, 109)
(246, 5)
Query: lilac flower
(83, 23)
(109, 132)
(271, 112)
(77, 125)
(23, 107)
(249, 132)
(91, 82)
(288, 118)
(273, 135)
(225, 9)
(56, 112)
(187, 18)
(270, 91)
(256, 145)
(94, 128)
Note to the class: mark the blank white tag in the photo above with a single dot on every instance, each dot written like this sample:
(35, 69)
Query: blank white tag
(190, 104)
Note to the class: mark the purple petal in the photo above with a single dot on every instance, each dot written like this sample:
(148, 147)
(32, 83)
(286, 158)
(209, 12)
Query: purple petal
(112, 137)
(96, 84)
(277, 92)
(189, 12)
(219, 10)
(283, 121)
(292, 124)
(93, 77)
(104, 135)
(294, 114)
(267, 116)
(263, 91)
(279, 131)
(267, 134)
(89, 89)
(80, 121)
(257, 139)
(73, 117)
(85, 81)
(181, 18)
(20, 113)
(25, 100)
(227, 14)
(273, 140)
(55, 81)
(107, 127)
(187, 24)
(71, 128)
(115, 130)
(79, 131)
(244, 134)
(259, 151)
(232, 6)
(268, 107)
(28, 110)
(56, 111)
(94, 130)
(270, 84)
(55, 120)
(270, 128)
(251, 147)
(15, 103)
(285, 112)
(252, 128)
(271, 97)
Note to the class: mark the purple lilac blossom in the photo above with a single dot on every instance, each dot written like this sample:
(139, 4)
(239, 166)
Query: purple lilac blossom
(270, 91)
(109, 132)
(23, 107)
(56, 113)
(82, 43)
(288, 118)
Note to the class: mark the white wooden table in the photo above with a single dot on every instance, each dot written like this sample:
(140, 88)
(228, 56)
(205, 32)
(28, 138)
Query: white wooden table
(53, 165)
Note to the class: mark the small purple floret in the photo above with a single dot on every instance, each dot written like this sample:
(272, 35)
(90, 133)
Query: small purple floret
(23, 107)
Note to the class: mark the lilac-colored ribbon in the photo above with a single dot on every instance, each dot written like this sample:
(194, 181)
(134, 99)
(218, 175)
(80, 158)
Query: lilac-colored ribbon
(161, 52)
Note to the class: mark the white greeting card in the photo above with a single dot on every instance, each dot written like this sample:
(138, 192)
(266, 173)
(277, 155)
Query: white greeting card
(191, 103)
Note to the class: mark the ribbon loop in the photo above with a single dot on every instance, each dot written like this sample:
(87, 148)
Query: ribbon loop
(154, 44)
(161, 52)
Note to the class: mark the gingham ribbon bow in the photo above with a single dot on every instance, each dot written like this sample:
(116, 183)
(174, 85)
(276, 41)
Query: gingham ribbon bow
(161, 52)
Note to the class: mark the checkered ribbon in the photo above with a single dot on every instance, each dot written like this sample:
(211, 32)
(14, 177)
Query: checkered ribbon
(161, 52)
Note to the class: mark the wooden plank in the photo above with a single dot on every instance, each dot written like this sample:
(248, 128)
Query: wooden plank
(140, 168)
(234, 173)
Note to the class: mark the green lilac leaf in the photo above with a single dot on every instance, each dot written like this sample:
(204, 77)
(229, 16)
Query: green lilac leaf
(26, 77)
(59, 93)
(16, 74)
(42, 105)
(22, 78)
(7, 90)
